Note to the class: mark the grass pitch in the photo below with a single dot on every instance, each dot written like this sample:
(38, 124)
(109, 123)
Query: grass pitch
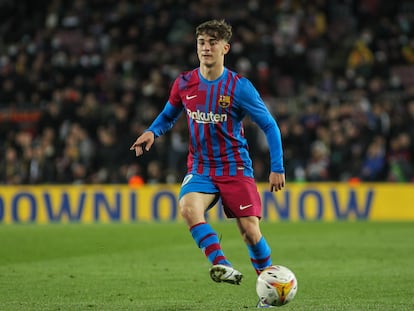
(339, 266)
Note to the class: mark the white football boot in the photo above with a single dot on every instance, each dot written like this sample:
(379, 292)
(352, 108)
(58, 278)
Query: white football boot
(223, 273)
(262, 305)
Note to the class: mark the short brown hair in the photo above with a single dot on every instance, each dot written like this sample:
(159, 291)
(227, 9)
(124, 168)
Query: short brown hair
(215, 28)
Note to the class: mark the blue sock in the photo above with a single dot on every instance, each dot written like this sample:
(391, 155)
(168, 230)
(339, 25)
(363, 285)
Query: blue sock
(260, 255)
(207, 240)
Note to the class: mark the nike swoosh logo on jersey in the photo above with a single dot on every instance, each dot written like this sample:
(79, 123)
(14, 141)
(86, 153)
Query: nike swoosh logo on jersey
(190, 97)
(242, 207)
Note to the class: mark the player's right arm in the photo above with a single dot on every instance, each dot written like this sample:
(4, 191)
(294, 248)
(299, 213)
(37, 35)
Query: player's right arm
(164, 122)
(143, 141)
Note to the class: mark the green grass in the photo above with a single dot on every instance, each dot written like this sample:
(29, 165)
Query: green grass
(339, 266)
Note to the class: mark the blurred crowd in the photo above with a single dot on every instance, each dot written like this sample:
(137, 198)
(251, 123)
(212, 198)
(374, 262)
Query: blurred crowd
(337, 75)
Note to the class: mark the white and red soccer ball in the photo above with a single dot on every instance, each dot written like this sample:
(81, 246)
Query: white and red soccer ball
(276, 285)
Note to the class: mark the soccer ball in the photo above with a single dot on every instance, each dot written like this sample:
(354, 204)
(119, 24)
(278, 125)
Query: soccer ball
(276, 285)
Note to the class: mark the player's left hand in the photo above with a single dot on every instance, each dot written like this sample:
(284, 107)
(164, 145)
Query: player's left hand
(277, 181)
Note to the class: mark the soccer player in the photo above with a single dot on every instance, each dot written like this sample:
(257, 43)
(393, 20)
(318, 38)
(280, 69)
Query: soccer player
(215, 101)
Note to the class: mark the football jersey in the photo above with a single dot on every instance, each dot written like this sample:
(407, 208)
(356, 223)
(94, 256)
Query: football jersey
(214, 111)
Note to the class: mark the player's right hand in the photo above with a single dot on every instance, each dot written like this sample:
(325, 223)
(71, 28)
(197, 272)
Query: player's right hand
(144, 141)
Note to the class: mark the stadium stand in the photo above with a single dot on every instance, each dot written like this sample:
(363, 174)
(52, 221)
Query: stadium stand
(79, 80)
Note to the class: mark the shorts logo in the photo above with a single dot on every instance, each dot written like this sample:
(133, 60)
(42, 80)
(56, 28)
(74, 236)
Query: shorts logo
(242, 207)
(187, 179)
(188, 97)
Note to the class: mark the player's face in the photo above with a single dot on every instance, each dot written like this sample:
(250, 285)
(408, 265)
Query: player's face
(211, 51)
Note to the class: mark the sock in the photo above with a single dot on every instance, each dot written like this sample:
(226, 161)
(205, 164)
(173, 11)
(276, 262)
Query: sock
(207, 240)
(260, 255)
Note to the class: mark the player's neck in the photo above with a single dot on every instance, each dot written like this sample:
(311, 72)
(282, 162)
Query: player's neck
(211, 73)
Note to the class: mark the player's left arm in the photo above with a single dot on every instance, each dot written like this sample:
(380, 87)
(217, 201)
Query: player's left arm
(255, 107)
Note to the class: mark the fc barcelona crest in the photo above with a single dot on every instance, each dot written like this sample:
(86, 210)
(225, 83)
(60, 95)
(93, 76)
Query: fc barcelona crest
(224, 101)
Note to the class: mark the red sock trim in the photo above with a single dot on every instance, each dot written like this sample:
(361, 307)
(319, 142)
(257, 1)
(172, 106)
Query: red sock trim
(218, 259)
(207, 236)
(259, 261)
(193, 226)
(213, 247)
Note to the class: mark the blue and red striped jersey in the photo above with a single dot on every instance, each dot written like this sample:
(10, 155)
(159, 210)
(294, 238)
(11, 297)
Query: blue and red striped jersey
(215, 110)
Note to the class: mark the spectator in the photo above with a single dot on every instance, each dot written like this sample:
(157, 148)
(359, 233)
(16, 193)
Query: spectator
(11, 167)
(318, 164)
(400, 159)
(374, 163)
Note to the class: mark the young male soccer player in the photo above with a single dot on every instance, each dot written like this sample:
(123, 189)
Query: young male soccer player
(215, 100)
